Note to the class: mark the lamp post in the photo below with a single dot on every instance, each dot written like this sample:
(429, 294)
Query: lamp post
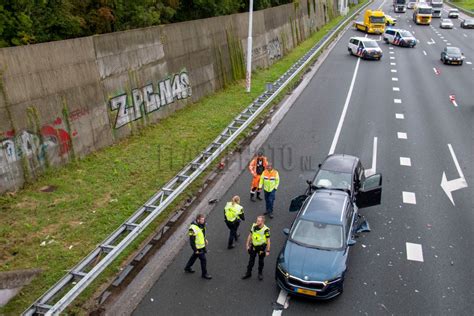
(248, 75)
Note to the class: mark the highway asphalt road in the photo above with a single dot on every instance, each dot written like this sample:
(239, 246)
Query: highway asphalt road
(405, 95)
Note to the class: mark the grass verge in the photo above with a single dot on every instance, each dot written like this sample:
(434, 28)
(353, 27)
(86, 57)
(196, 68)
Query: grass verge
(465, 4)
(53, 231)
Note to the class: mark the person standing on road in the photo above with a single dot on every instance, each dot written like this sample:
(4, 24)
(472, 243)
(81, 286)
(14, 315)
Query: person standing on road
(198, 241)
(256, 168)
(269, 180)
(233, 213)
(258, 243)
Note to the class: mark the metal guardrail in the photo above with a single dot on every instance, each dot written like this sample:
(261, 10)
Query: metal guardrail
(58, 297)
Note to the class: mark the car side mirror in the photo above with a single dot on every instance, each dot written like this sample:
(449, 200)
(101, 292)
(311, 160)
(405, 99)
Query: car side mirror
(351, 242)
(319, 166)
(286, 231)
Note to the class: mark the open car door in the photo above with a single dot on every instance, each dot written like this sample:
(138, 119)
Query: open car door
(297, 203)
(370, 193)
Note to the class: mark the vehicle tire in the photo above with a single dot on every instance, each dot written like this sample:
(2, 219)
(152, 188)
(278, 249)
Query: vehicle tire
(350, 51)
(386, 40)
(460, 64)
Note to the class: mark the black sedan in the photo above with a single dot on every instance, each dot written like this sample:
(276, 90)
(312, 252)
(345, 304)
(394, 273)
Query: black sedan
(452, 56)
(467, 24)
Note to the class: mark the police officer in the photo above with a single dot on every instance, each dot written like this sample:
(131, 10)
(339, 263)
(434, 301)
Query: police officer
(258, 243)
(233, 214)
(270, 180)
(198, 241)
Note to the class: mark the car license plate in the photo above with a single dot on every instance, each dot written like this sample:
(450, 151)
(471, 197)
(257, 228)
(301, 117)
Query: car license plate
(455, 62)
(307, 292)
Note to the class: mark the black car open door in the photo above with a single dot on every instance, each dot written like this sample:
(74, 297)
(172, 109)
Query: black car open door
(297, 203)
(370, 193)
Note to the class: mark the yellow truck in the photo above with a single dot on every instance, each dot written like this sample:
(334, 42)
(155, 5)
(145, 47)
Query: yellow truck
(422, 13)
(374, 22)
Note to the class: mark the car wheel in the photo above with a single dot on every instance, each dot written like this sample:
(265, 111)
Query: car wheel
(460, 64)
(350, 51)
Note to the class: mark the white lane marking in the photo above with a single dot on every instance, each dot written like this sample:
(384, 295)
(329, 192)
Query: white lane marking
(436, 71)
(441, 37)
(393, 64)
(399, 116)
(391, 57)
(344, 110)
(398, 101)
(283, 300)
(455, 28)
(373, 169)
(401, 135)
(390, 48)
(405, 161)
(393, 70)
(456, 184)
(468, 62)
(395, 88)
(432, 42)
(414, 252)
(449, 44)
(424, 53)
(394, 79)
(464, 35)
(391, 52)
(409, 197)
(445, 40)
(409, 25)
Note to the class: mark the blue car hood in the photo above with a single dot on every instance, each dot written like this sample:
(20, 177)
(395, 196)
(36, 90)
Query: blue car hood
(316, 264)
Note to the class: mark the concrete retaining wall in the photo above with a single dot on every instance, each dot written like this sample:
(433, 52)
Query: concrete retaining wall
(62, 100)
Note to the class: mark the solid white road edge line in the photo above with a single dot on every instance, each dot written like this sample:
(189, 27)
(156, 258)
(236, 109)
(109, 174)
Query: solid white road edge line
(414, 252)
(373, 169)
(344, 110)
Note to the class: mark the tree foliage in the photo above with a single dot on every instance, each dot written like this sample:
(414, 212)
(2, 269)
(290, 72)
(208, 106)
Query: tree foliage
(25, 22)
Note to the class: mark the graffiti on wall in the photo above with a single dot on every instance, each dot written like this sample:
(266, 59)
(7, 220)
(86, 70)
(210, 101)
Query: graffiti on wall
(148, 99)
(272, 50)
(53, 143)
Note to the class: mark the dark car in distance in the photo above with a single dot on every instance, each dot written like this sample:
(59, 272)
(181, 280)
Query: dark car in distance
(452, 55)
(467, 24)
(313, 261)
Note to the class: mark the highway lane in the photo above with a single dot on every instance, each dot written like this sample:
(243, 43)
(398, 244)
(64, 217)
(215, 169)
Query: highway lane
(380, 278)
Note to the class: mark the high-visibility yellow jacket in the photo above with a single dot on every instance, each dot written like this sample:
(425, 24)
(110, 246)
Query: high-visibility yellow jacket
(269, 180)
(260, 235)
(233, 211)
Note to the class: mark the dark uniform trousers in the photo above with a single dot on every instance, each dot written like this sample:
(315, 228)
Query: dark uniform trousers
(233, 227)
(202, 258)
(253, 252)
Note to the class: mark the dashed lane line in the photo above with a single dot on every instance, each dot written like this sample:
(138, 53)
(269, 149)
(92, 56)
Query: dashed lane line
(393, 64)
(395, 88)
(398, 101)
(394, 79)
(401, 135)
(391, 52)
(405, 161)
(424, 53)
(393, 70)
(409, 197)
(400, 116)
(414, 252)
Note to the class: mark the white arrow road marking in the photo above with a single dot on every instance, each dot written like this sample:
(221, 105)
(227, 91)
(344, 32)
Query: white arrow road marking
(373, 169)
(456, 184)
(432, 42)
(414, 252)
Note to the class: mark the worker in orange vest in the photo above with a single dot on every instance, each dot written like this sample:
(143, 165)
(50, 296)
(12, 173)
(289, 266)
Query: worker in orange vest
(256, 167)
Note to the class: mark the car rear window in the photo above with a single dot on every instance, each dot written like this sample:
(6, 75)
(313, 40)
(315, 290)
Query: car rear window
(318, 235)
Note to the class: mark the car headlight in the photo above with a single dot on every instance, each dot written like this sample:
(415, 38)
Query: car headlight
(333, 280)
(283, 270)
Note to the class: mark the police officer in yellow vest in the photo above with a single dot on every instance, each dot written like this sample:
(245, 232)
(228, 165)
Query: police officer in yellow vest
(197, 238)
(258, 243)
(233, 214)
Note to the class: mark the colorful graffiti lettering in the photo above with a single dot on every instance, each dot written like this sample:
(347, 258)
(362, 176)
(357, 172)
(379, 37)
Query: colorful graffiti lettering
(146, 100)
(54, 143)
